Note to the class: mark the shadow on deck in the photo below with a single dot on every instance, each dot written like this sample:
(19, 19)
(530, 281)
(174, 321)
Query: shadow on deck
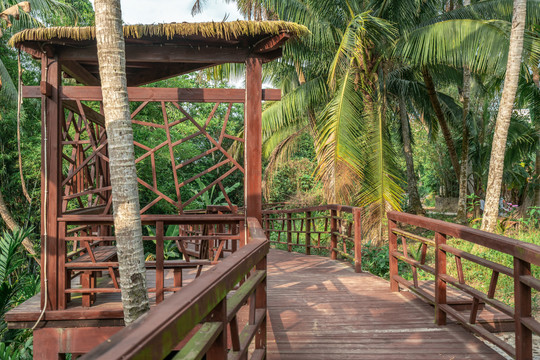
(322, 309)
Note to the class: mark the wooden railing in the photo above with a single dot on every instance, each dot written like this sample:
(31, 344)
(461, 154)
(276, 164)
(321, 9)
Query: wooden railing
(197, 320)
(91, 239)
(323, 227)
(524, 255)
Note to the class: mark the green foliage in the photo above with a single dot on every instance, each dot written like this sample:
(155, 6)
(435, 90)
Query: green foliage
(19, 280)
(170, 250)
(376, 260)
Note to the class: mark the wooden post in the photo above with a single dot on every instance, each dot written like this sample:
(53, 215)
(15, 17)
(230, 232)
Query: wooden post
(242, 233)
(47, 344)
(159, 261)
(289, 233)
(440, 285)
(392, 246)
(333, 235)
(51, 180)
(308, 233)
(357, 221)
(218, 350)
(522, 298)
(253, 139)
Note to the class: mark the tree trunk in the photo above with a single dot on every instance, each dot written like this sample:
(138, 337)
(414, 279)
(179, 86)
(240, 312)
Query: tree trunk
(536, 200)
(415, 205)
(430, 86)
(506, 105)
(463, 173)
(12, 225)
(125, 196)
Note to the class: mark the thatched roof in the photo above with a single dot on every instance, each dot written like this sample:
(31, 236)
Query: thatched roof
(209, 30)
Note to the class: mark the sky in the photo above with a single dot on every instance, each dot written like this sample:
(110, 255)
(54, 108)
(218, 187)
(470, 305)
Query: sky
(167, 11)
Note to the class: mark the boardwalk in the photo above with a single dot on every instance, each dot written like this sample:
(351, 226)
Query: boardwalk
(321, 309)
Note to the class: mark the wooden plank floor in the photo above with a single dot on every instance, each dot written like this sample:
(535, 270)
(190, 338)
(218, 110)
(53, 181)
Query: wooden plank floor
(321, 309)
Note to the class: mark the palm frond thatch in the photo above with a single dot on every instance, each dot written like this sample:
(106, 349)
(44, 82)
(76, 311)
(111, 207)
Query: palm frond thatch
(221, 30)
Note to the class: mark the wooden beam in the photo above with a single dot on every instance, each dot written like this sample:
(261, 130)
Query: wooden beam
(270, 44)
(165, 54)
(90, 113)
(253, 139)
(162, 72)
(80, 73)
(93, 93)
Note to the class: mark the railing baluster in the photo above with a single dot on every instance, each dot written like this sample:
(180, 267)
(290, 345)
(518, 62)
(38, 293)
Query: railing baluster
(308, 233)
(522, 299)
(459, 268)
(289, 233)
(440, 285)
(493, 284)
(474, 310)
(357, 219)
(392, 246)
(333, 236)
(159, 261)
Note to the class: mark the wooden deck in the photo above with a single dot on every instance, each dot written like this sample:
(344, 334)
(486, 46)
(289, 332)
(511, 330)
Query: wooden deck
(321, 309)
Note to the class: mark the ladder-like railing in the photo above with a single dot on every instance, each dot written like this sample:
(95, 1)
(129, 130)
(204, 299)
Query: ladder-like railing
(433, 256)
(335, 230)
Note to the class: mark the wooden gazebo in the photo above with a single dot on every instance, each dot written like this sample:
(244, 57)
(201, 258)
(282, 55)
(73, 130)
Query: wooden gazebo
(79, 265)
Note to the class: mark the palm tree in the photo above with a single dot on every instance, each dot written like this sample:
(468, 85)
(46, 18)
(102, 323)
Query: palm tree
(491, 210)
(125, 195)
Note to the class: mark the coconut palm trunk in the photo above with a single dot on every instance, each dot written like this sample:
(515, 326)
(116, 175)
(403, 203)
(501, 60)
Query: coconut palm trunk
(464, 173)
(536, 200)
(415, 205)
(125, 196)
(506, 106)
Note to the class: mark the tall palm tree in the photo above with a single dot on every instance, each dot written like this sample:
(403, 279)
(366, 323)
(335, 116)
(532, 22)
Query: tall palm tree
(125, 195)
(491, 210)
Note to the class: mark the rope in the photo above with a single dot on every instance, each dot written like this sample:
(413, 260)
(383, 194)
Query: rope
(46, 197)
(19, 105)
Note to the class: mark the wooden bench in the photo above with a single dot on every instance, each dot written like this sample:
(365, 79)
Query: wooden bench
(93, 256)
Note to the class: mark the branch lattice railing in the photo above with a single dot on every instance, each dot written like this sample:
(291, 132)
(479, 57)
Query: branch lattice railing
(198, 321)
(525, 257)
(333, 230)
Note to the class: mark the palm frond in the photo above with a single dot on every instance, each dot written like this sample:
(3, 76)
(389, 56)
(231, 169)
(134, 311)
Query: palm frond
(339, 127)
(294, 106)
(8, 92)
(490, 10)
(482, 45)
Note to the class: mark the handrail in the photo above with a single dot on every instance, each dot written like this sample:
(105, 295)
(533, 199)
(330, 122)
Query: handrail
(147, 219)
(158, 332)
(336, 207)
(343, 236)
(524, 254)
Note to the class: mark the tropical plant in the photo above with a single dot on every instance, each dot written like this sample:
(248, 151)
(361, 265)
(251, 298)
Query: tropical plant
(18, 281)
